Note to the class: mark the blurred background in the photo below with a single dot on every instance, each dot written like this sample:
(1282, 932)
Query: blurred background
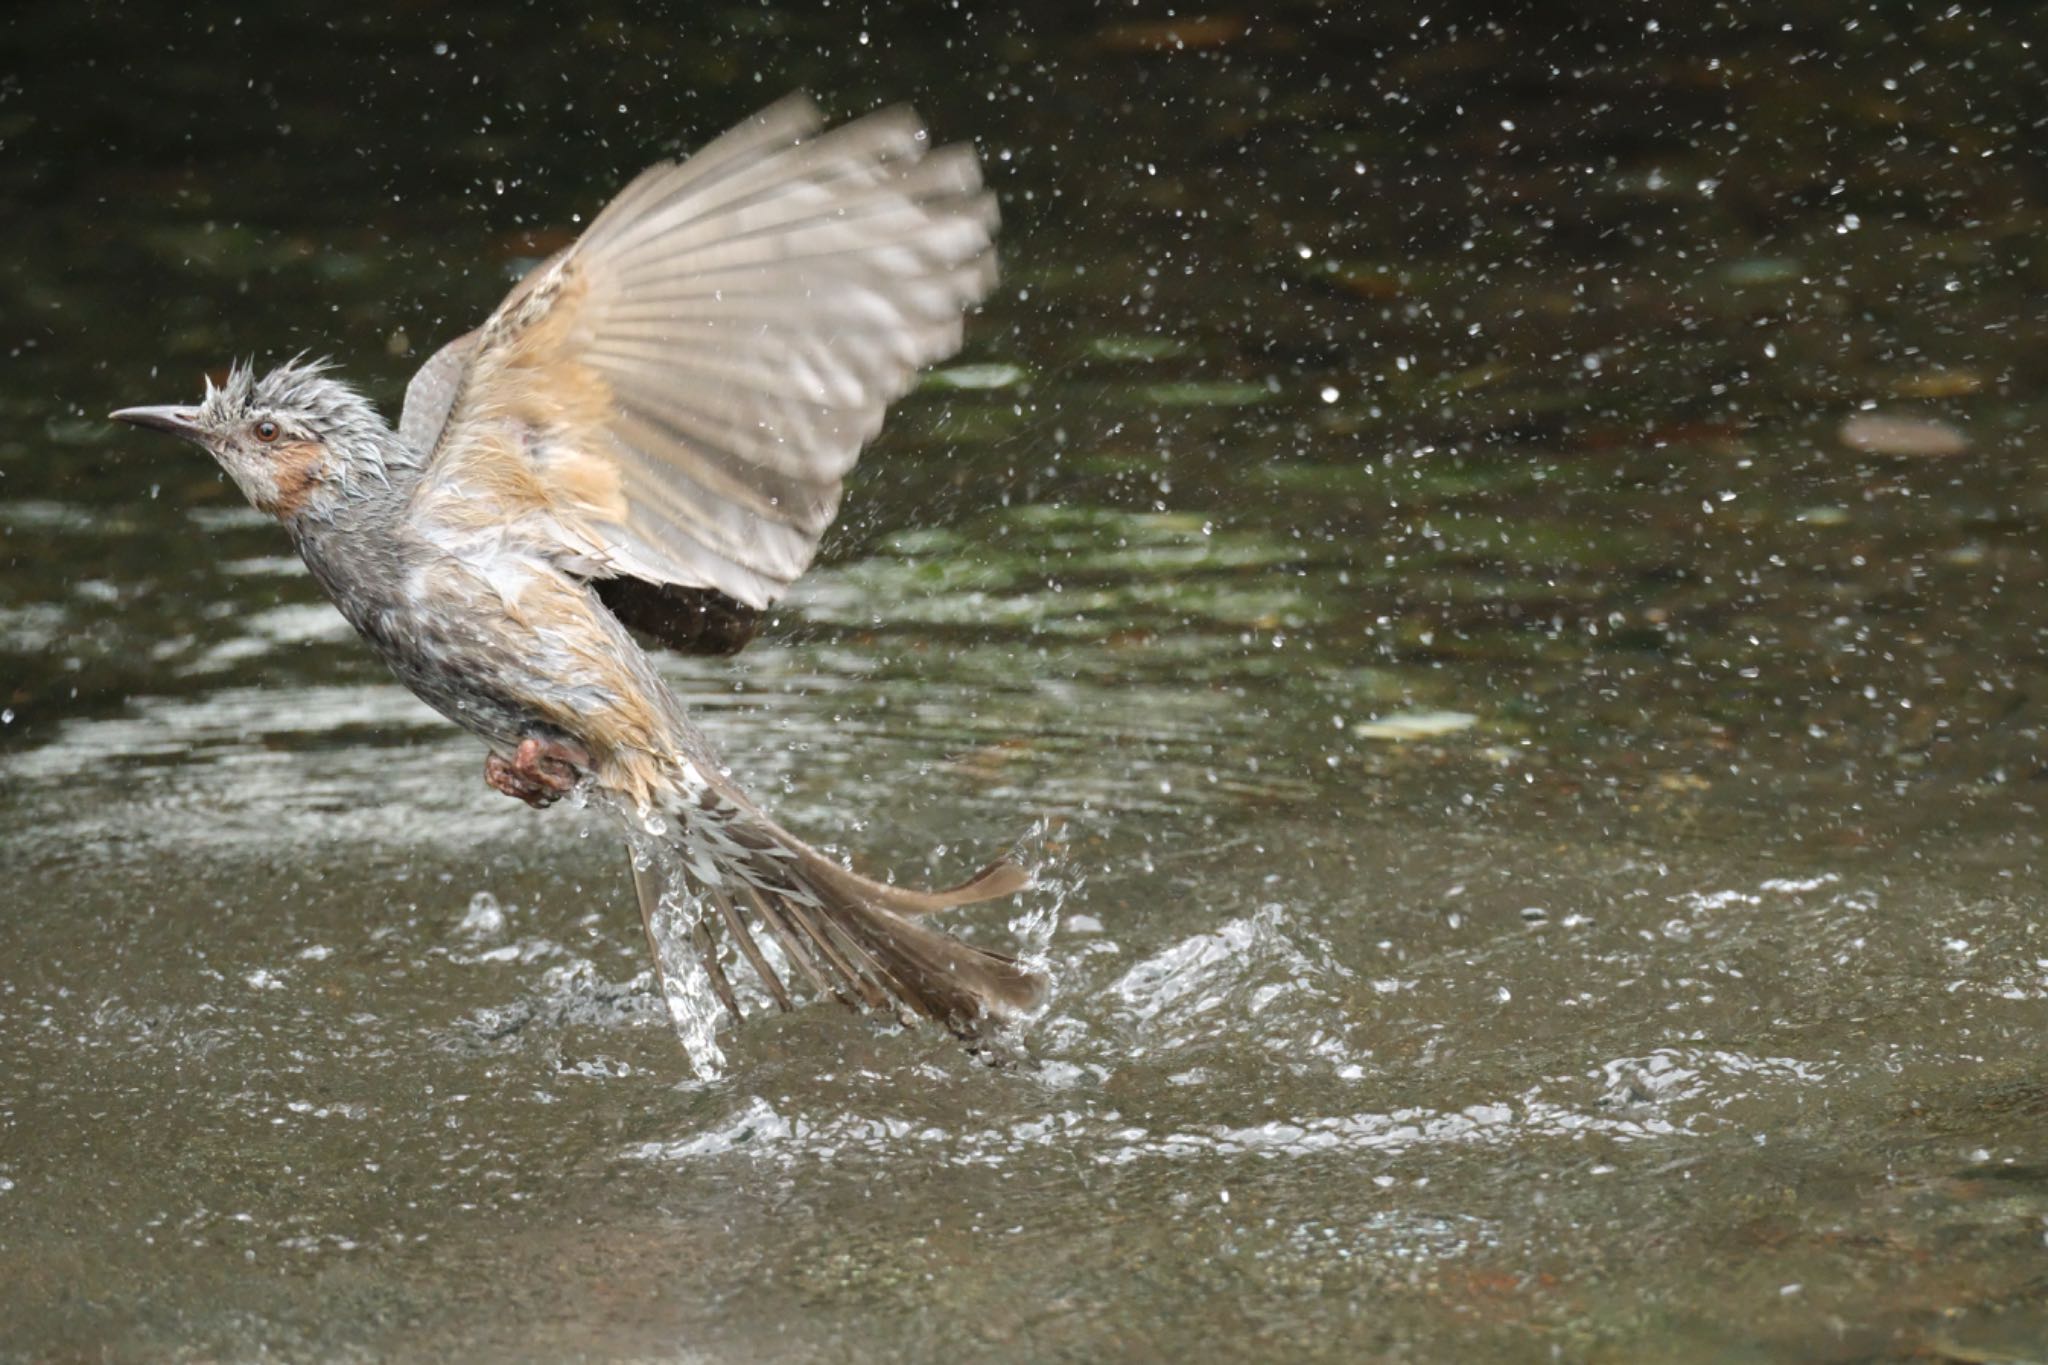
(1500, 553)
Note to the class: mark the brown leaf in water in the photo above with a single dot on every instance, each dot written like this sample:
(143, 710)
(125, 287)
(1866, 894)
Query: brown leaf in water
(1939, 384)
(1197, 31)
(1888, 433)
(986, 763)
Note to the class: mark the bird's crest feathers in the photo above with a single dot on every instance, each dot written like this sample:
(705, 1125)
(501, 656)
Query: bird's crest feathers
(300, 388)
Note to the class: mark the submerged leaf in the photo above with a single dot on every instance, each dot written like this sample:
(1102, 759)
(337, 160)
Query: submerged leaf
(1403, 726)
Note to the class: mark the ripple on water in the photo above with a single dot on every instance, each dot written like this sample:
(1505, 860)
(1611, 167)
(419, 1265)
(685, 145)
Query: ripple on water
(758, 1130)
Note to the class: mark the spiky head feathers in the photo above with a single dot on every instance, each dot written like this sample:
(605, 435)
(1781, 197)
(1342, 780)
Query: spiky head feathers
(297, 441)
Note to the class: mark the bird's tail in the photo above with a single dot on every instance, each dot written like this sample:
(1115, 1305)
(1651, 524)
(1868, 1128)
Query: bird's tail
(841, 934)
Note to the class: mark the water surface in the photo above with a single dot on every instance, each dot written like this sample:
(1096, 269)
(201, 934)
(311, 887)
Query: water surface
(1444, 533)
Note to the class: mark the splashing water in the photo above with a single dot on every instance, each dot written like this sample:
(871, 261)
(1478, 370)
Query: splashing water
(686, 986)
(1054, 880)
(693, 1005)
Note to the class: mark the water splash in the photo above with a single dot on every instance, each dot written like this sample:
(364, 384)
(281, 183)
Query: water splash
(485, 917)
(1054, 880)
(693, 1005)
(757, 1130)
(1242, 967)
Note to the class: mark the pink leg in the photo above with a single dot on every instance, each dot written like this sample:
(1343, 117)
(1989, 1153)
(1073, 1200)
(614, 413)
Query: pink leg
(540, 771)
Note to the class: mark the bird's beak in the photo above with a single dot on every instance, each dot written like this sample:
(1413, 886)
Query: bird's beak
(177, 421)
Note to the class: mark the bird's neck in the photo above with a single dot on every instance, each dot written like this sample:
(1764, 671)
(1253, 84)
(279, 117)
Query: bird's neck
(368, 484)
(351, 535)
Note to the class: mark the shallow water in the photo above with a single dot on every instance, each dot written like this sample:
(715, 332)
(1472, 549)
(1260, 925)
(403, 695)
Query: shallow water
(1540, 820)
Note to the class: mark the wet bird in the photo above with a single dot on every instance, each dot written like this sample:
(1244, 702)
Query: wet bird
(651, 431)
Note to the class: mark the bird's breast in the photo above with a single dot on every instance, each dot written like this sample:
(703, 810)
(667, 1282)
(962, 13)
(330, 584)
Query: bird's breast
(508, 645)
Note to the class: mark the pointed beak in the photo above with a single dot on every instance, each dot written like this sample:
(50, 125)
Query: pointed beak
(177, 421)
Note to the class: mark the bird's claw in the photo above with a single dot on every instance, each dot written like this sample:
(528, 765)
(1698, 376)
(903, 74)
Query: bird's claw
(540, 771)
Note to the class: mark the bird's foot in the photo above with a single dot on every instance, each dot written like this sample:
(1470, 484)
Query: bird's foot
(540, 771)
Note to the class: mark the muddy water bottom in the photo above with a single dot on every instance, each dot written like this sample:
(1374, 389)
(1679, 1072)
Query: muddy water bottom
(1324, 1076)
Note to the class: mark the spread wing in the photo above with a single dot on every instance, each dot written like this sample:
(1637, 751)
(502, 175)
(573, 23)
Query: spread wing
(677, 397)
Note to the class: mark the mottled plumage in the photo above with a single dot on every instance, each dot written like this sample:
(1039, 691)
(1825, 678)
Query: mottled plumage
(658, 418)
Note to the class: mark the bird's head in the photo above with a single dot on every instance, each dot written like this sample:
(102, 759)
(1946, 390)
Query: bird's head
(297, 442)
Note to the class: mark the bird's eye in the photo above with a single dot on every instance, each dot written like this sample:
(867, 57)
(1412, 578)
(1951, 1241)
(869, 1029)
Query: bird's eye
(266, 432)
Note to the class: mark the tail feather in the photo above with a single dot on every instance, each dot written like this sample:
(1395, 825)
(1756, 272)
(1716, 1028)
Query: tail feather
(876, 986)
(849, 936)
(826, 977)
(707, 952)
(948, 980)
(998, 880)
(736, 929)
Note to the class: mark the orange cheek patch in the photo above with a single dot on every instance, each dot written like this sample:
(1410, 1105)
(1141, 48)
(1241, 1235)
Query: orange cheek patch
(297, 470)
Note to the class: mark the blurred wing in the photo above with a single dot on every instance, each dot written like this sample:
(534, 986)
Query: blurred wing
(432, 393)
(677, 398)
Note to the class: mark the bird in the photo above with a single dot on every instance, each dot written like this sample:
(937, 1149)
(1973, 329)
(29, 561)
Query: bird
(650, 433)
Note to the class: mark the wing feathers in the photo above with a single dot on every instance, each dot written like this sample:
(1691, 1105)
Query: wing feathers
(895, 236)
(725, 337)
(779, 126)
(720, 427)
(948, 180)
(690, 511)
(820, 171)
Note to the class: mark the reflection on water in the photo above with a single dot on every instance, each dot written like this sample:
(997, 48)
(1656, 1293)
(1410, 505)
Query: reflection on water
(1495, 571)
